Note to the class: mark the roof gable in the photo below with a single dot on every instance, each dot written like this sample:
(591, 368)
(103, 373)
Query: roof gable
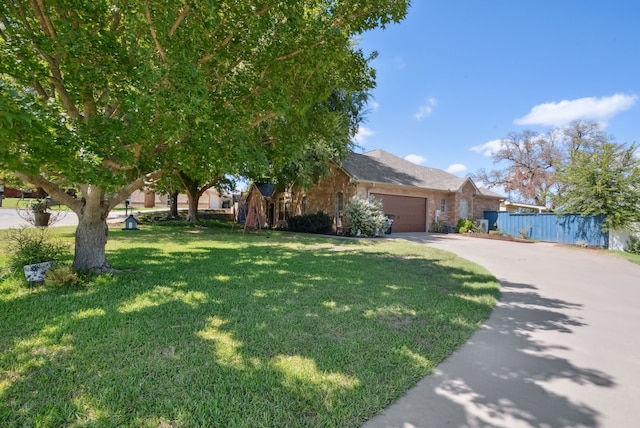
(266, 189)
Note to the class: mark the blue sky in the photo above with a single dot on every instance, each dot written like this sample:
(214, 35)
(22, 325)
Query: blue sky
(455, 77)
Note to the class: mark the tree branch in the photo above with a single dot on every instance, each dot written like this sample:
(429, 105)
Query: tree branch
(181, 17)
(53, 189)
(56, 80)
(264, 117)
(299, 51)
(124, 192)
(38, 9)
(208, 57)
(41, 90)
(115, 21)
(228, 39)
(154, 35)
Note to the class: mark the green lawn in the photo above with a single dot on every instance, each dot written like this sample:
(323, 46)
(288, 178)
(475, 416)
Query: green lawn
(10, 202)
(635, 258)
(210, 327)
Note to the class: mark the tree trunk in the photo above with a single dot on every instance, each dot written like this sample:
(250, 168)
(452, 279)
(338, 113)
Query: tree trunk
(192, 215)
(92, 211)
(91, 239)
(173, 206)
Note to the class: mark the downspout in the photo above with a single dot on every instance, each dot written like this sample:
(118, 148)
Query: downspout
(369, 189)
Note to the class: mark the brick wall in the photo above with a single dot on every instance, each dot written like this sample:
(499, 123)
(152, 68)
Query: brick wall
(322, 197)
(482, 204)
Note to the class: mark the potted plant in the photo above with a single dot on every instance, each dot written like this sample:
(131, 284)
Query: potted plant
(41, 213)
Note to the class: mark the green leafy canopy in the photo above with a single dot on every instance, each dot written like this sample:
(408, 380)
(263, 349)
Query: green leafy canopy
(109, 95)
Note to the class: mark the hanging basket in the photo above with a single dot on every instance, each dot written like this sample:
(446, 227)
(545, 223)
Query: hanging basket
(36, 272)
(41, 219)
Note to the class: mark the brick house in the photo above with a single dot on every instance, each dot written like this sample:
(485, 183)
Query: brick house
(414, 195)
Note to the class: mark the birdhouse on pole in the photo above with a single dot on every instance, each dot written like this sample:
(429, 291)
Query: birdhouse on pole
(130, 223)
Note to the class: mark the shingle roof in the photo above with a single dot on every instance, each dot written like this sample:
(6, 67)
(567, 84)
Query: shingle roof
(383, 167)
(266, 189)
(491, 193)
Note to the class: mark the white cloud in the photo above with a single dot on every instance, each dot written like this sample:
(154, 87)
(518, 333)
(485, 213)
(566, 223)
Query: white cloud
(426, 109)
(488, 149)
(373, 105)
(362, 134)
(456, 168)
(417, 159)
(565, 111)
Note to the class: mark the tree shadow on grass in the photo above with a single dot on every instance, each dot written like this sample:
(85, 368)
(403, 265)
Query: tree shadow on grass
(497, 378)
(252, 334)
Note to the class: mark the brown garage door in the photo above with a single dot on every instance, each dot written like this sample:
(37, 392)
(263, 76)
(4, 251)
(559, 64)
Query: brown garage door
(410, 213)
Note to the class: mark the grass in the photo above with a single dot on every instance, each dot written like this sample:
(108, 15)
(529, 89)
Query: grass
(210, 327)
(10, 202)
(634, 258)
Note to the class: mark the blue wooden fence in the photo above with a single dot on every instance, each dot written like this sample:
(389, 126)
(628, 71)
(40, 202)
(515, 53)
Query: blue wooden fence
(549, 227)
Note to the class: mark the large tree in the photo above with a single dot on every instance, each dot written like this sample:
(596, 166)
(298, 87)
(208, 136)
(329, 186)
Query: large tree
(525, 164)
(601, 178)
(105, 95)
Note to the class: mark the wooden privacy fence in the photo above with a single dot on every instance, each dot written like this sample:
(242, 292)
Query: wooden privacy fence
(549, 227)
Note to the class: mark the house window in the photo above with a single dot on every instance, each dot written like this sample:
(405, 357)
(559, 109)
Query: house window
(443, 206)
(339, 204)
(284, 209)
(280, 209)
(464, 209)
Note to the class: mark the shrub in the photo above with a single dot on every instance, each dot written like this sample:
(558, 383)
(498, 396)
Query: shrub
(465, 225)
(365, 215)
(30, 246)
(438, 226)
(310, 223)
(633, 245)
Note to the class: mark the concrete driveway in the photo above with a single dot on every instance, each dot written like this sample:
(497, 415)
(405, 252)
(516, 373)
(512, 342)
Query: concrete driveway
(561, 349)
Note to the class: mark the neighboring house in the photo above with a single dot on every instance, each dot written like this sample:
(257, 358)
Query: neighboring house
(414, 195)
(210, 200)
(9, 192)
(518, 208)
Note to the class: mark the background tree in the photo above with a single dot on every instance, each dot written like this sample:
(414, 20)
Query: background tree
(104, 96)
(527, 170)
(601, 178)
(581, 135)
(528, 161)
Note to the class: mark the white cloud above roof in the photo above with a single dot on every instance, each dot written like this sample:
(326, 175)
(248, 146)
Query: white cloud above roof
(456, 168)
(417, 159)
(488, 149)
(362, 134)
(591, 108)
(426, 109)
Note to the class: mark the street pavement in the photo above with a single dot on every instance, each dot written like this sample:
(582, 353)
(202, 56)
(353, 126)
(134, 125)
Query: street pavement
(10, 219)
(560, 349)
